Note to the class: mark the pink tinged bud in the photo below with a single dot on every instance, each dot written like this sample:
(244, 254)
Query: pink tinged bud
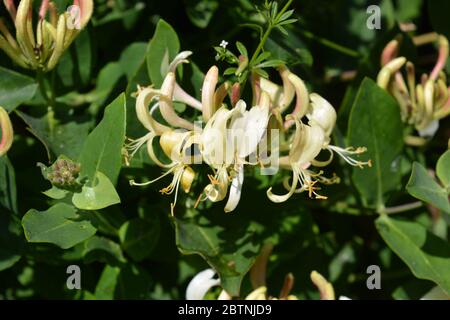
(259, 269)
(220, 94)
(302, 97)
(7, 132)
(243, 64)
(11, 7)
(145, 96)
(166, 106)
(43, 9)
(86, 9)
(208, 90)
(442, 58)
(235, 93)
(256, 87)
(389, 52)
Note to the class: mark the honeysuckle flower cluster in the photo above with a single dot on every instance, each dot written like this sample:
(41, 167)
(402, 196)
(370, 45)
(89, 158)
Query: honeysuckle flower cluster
(266, 133)
(42, 49)
(7, 133)
(422, 104)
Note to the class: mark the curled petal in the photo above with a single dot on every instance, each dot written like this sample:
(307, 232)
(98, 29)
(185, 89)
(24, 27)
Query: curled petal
(166, 106)
(302, 104)
(277, 198)
(235, 189)
(199, 286)
(323, 113)
(145, 96)
(442, 58)
(325, 288)
(384, 76)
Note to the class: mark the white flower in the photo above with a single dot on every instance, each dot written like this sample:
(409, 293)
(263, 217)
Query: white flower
(224, 44)
(199, 286)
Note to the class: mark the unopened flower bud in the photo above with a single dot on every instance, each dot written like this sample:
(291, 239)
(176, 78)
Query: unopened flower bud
(187, 178)
(208, 91)
(7, 133)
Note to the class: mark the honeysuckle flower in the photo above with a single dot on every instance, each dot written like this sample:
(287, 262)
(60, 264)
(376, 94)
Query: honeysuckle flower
(7, 133)
(247, 130)
(324, 114)
(307, 143)
(280, 96)
(199, 286)
(174, 146)
(43, 49)
(423, 104)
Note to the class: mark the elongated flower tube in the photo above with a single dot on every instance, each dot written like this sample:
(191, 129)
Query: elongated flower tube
(7, 133)
(308, 142)
(178, 93)
(42, 49)
(208, 91)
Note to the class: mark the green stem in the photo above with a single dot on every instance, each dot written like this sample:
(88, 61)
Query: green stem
(403, 208)
(49, 97)
(267, 33)
(332, 45)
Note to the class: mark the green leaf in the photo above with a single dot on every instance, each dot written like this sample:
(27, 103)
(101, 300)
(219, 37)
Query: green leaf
(242, 49)
(426, 255)
(231, 242)
(56, 193)
(438, 11)
(132, 58)
(102, 150)
(200, 12)
(139, 236)
(126, 282)
(100, 194)
(375, 124)
(11, 243)
(162, 49)
(423, 187)
(103, 250)
(61, 225)
(58, 138)
(15, 89)
(443, 169)
(8, 193)
(75, 66)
